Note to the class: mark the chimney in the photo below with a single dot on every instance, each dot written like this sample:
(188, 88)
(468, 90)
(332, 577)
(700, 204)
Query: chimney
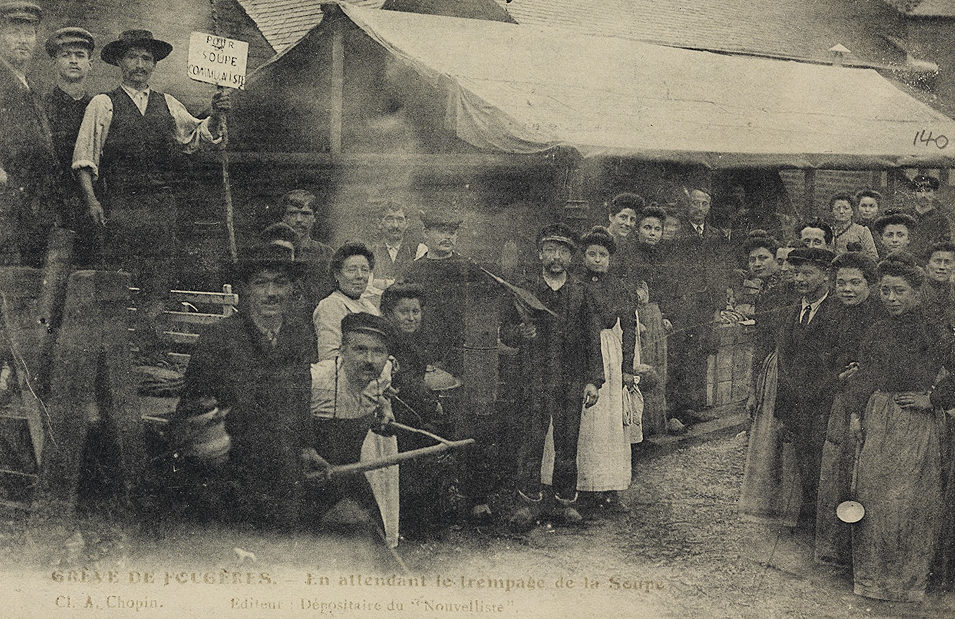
(838, 54)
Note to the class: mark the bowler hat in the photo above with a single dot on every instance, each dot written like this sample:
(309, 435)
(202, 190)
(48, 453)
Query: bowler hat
(815, 256)
(114, 50)
(281, 234)
(363, 322)
(268, 256)
(20, 12)
(71, 35)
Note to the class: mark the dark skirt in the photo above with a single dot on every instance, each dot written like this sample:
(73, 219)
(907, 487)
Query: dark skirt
(834, 537)
(771, 491)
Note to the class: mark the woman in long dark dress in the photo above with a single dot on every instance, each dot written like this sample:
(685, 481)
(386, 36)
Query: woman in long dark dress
(855, 274)
(645, 265)
(893, 411)
(771, 487)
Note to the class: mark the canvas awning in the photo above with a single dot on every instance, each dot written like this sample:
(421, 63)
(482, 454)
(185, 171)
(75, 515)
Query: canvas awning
(524, 89)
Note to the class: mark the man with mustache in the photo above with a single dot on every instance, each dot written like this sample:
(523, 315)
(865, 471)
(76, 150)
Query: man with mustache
(561, 370)
(255, 365)
(71, 50)
(28, 190)
(132, 141)
(393, 254)
(350, 405)
(808, 372)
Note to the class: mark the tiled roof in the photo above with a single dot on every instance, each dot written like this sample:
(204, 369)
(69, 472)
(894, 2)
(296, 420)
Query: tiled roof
(284, 22)
(804, 29)
(925, 8)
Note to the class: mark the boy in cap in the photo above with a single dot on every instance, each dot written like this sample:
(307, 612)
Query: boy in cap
(71, 50)
(131, 139)
(255, 364)
(27, 164)
(561, 370)
(808, 378)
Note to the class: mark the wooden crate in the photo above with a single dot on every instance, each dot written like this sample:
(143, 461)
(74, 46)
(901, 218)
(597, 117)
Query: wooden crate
(729, 371)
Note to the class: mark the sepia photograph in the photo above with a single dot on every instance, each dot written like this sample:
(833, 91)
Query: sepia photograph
(457, 308)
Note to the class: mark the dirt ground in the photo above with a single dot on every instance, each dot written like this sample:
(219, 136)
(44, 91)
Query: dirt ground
(682, 551)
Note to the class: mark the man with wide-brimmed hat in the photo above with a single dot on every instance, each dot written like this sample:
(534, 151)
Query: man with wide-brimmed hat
(132, 140)
(255, 364)
(71, 49)
(561, 371)
(808, 378)
(28, 196)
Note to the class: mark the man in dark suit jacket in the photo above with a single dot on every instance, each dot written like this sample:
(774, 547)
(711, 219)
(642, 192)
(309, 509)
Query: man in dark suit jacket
(393, 252)
(698, 270)
(808, 376)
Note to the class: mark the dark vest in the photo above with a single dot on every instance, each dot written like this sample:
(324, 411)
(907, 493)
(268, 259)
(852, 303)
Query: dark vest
(140, 150)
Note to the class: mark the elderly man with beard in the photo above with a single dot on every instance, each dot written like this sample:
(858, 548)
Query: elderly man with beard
(808, 373)
(27, 163)
(561, 370)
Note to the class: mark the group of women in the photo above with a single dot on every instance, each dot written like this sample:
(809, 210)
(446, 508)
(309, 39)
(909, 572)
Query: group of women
(887, 443)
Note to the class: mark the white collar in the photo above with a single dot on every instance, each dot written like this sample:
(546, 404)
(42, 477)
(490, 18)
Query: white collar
(815, 304)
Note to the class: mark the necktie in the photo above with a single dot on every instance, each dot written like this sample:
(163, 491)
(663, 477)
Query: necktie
(805, 315)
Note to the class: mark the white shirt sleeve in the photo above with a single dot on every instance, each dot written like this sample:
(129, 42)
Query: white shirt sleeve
(327, 319)
(92, 135)
(190, 131)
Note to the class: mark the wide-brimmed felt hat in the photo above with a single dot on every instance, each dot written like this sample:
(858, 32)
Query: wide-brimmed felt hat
(20, 12)
(114, 50)
(815, 256)
(363, 322)
(267, 256)
(71, 35)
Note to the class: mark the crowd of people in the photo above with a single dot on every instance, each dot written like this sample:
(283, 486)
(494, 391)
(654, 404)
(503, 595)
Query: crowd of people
(604, 341)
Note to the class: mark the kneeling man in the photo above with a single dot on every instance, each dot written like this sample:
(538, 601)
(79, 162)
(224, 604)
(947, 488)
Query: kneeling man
(350, 407)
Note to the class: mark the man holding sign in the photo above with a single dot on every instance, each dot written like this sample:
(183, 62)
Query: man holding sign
(131, 141)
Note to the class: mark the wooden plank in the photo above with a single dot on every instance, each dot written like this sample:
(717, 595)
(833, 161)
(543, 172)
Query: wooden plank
(337, 88)
(212, 298)
(179, 358)
(192, 318)
(180, 338)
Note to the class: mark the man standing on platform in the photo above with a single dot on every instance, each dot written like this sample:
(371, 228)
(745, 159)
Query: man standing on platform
(561, 371)
(298, 211)
(71, 50)
(29, 199)
(132, 140)
(808, 378)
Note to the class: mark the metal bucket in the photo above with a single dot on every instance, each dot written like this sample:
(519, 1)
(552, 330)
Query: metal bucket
(208, 440)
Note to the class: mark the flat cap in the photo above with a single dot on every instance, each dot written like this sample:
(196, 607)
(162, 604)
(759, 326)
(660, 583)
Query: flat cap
(363, 322)
(21, 11)
(440, 216)
(558, 233)
(815, 256)
(923, 180)
(71, 35)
